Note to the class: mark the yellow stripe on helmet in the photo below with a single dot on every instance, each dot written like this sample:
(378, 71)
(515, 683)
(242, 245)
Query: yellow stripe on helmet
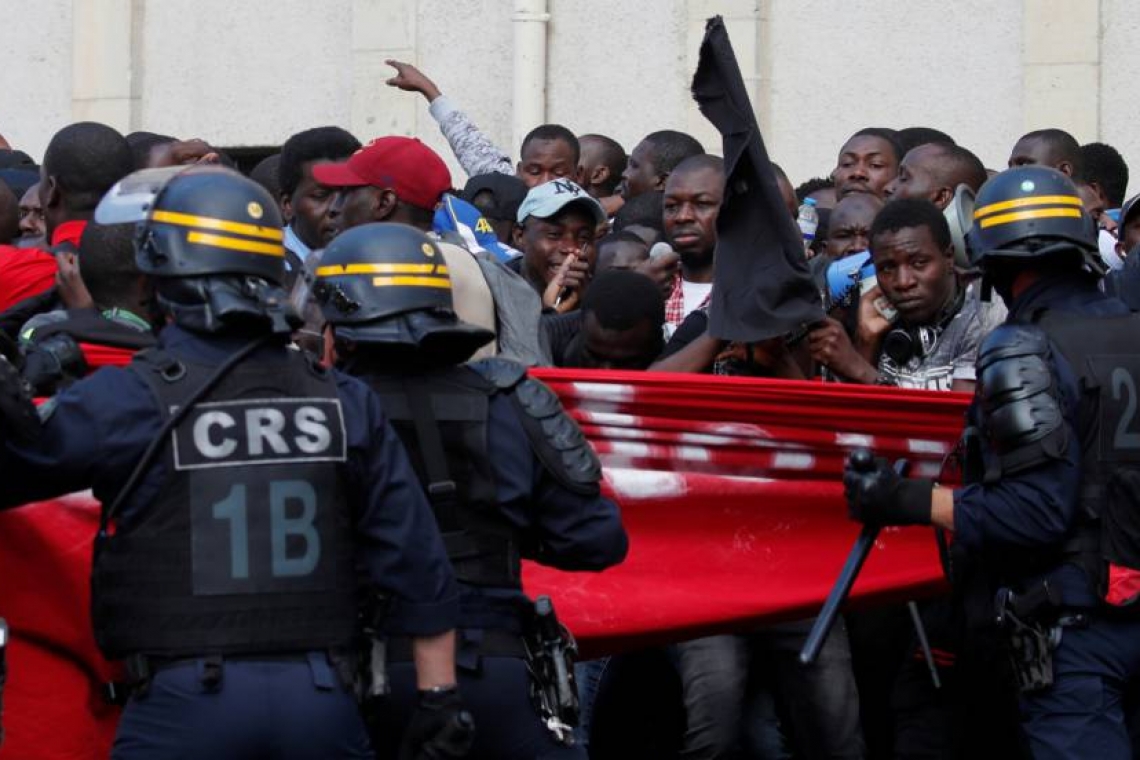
(333, 270)
(1036, 200)
(1017, 216)
(235, 244)
(412, 282)
(224, 225)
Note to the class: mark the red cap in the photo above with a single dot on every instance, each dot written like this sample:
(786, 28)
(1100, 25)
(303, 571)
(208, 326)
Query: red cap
(404, 164)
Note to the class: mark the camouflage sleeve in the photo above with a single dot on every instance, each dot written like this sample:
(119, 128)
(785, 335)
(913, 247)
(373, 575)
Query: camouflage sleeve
(473, 149)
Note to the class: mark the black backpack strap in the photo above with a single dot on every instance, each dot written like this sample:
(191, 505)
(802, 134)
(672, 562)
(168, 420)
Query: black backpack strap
(441, 490)
(172, 370)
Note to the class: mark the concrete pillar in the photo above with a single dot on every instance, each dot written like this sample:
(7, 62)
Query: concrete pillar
(1061, 62)
(529, 103)
(103, 47)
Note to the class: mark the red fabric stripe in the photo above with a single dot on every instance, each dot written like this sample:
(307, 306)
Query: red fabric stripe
(1123, 585)
(99, 355)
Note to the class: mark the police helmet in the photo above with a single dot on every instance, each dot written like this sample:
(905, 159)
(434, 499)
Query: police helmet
(212, 220)
(387, 284)
(1030, 212)
(213, 241)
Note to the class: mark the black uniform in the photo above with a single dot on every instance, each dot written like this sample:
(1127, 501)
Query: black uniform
(508, 473)
(238, 545)
(249, 496)
(1051, 503)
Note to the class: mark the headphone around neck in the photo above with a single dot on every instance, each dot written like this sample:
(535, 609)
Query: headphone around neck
(903, 344)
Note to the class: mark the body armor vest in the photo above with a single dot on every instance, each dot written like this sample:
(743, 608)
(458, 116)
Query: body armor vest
(1103, 353)
(441, 417)
(247, 546)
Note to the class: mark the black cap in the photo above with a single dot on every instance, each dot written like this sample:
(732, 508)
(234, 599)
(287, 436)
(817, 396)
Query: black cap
(16, 159)
(1130, 208)
(507, 194)
(19, 180)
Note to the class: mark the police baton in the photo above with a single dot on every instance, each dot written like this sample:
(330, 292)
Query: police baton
(863, 461)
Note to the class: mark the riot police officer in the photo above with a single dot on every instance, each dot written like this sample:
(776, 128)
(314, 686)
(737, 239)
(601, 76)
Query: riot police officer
(245, 492)
(508, 473)
(1051, 508)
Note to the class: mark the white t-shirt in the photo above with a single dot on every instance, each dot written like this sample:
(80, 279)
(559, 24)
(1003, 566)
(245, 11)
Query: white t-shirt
(694, 294)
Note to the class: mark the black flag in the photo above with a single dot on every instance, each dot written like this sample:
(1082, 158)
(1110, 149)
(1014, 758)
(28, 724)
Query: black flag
(763, 288)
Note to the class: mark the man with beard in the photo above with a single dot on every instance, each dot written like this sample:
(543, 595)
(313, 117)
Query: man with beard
(693, 194)
(32, 229)
(867, 162)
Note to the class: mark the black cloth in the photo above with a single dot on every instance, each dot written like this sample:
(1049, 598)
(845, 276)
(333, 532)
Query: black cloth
(763, 287)
(17, 315)
(1124, 283)
(562, 329)
(694, 326)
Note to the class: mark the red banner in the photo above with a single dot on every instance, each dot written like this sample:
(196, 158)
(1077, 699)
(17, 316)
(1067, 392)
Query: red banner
(729, 488)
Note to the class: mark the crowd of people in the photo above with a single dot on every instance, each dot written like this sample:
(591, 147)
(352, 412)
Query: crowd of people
(437, 294)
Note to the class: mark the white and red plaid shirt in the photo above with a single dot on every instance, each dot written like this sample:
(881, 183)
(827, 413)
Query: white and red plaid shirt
(675, 304)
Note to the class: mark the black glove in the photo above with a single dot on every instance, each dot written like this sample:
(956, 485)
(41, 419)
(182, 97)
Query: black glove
(878, 495)
(52, 363)
(440, 728)
(19, 420)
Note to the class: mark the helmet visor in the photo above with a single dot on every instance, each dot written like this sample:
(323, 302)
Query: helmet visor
(132, 197)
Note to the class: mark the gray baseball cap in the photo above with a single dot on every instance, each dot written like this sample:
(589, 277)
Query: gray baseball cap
(549, 198)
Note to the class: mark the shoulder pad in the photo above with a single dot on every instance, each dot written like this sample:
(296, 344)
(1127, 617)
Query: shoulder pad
(501, 373)
(1024, 420)
(1009, 340)
(556, 438)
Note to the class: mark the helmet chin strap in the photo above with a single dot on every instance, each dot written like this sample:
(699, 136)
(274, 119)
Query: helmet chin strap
(215, 304)
(987, 291)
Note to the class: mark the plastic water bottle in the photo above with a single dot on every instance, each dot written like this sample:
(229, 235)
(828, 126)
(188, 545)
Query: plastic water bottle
(808, 220)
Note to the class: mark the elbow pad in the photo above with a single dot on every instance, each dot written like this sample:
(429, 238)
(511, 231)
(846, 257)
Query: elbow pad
(1024, 420)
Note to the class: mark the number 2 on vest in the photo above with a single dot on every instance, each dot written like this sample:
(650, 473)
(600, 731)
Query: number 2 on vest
(1124, 384)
